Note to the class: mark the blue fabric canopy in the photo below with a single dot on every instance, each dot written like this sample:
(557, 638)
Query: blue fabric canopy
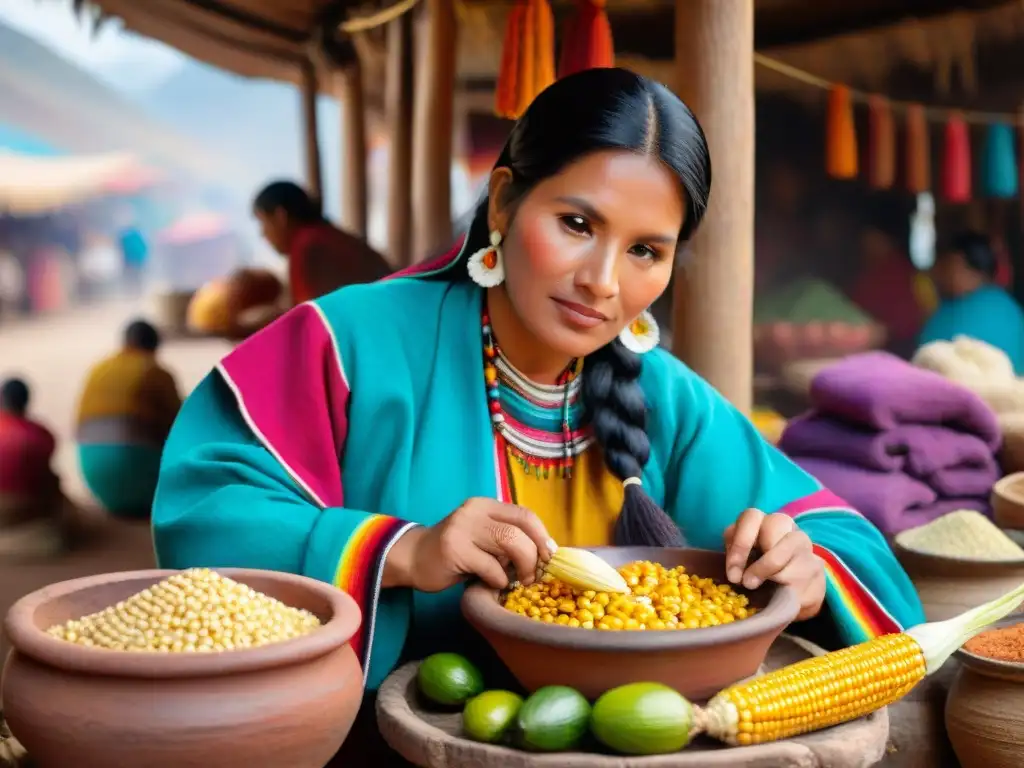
(15, 140)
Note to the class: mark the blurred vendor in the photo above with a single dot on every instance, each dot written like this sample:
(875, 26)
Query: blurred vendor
(321, 257)
(127, 408)
(971, 303)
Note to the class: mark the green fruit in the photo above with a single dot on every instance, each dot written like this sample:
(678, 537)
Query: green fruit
(487, 717)
(642, 719)
(553, 719)
(449, 679)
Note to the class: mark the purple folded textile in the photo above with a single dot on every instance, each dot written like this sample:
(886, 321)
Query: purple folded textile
(879, 390)
(953, 463)
(892, 501)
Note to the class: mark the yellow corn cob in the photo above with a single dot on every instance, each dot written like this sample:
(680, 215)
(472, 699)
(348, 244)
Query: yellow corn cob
(844, 685)
(582, 569)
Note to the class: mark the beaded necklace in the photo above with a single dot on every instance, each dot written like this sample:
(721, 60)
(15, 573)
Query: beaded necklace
(541, 425)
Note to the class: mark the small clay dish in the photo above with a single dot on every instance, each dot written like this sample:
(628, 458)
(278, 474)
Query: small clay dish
(1008, 501)
(289, 704)
(985, 710)
(696, 662)
(948, 586)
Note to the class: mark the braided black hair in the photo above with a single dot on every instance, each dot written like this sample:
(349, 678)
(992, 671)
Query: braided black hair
(590, 111)
(618, 415)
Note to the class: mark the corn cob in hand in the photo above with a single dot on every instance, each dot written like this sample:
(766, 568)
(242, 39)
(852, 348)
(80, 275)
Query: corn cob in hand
(844, 685)
(583, 570)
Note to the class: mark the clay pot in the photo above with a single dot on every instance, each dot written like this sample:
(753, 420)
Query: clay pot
(948, 586)
(985, 711)
(287, 704)
(1008, 501)
(697, 662)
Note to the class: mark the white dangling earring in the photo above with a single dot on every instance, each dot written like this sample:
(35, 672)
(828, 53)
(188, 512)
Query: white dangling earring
(641, 335)
(486, 266)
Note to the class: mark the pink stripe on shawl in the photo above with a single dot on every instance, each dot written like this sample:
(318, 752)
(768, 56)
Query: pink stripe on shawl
(295, 360)
(441, 262)
(819, 501)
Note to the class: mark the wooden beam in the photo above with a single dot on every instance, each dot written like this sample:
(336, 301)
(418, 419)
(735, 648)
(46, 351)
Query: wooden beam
(806, 22)
(398, 97)
(714, 289)
(354, 187)
(314, 170)
(433, 116)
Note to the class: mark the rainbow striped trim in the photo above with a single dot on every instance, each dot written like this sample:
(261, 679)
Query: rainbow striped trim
(862, 607)
(864, 610)
(360, 569)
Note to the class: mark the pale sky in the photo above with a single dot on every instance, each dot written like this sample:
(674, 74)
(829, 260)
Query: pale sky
(123, 60)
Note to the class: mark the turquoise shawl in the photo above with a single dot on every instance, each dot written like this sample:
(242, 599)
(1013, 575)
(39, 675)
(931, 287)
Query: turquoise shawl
(321, 440)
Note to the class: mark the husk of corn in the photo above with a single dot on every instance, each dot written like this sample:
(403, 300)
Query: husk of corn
(583, 570)
(12, 754)
(843, 685)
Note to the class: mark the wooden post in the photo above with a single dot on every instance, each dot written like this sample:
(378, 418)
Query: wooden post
(432, 140)
(398, 96)
(354, 192)
(714, 293)
(310, 91)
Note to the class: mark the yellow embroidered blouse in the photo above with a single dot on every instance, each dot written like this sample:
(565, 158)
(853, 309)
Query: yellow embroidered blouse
(579, 510)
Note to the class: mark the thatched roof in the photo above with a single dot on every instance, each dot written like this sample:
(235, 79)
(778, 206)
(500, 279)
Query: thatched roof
(272, 38)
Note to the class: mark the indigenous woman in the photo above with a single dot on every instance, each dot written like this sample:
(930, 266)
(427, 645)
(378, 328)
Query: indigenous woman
(398, 437)
(125, 414)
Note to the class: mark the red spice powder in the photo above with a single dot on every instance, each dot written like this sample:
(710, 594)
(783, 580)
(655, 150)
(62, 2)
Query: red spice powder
(1005, 644)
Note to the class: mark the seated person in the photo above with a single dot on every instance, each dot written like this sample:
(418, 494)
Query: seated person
(28, 486)
(124, 416)
(971, 304)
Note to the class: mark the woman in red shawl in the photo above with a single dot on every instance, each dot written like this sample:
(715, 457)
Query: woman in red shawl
(321, 257)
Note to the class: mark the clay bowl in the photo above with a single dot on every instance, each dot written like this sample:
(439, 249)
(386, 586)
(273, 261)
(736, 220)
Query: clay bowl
(287, 704)
(948, 586)
(1008, 501)
(696, 662)
(985, 711)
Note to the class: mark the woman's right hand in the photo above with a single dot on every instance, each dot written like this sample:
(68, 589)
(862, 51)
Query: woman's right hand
(479, 539)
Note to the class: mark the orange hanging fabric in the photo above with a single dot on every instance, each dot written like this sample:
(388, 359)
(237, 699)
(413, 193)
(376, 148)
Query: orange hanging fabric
(919, 151)
(527, 58)
(956, 161)
(587, 39)
(881, 144)
(841, 137)
(505, 98)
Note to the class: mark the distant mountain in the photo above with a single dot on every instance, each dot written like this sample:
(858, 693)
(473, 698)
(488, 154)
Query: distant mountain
(44, 95)
(257, 123)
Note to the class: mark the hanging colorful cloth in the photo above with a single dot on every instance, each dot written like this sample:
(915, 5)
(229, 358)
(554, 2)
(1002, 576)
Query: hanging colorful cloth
(881, 143)
(918, 151)
(999, 162)
(841, 137)
(956, 161)
(586, 39)
(527, 57)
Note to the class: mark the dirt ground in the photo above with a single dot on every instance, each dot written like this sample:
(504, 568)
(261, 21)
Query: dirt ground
(53, 355)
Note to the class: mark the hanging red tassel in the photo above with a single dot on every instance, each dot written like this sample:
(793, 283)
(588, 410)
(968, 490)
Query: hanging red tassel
(587, 39)
(919, 151)
(841, 136)
(527, 57)
(956, 161)
(881, 144)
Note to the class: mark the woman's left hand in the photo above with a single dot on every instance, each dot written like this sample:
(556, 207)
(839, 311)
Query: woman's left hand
(787, 557)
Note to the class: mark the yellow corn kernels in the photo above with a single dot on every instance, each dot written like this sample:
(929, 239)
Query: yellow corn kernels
(817, 693)
(658, 598)
(193, 611)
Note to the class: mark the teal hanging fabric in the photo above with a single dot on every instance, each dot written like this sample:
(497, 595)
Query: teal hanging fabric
(999, 164)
